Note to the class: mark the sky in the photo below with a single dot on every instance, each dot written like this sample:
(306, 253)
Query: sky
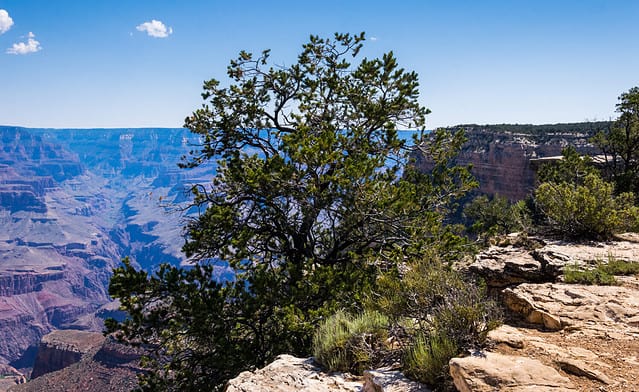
(142, 63)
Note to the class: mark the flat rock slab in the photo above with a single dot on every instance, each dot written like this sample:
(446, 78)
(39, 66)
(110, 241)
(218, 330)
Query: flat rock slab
(288, 373)
(503, 266)
(498, 372)
(73, 340)
(599, 309)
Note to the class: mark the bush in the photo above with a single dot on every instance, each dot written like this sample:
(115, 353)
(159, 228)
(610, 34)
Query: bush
(449, 312)
(492, 217)
(344, 342)
(575, 274)
(589, 210)
(427, 359)
(620, 267)
(602, 274)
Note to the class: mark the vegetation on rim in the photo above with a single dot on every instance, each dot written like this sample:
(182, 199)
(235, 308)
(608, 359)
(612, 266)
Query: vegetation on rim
(313, 198)
(339, 244)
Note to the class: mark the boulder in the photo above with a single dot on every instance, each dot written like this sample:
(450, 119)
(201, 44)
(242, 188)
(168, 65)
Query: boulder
(497, 372)
(599, 309)
(390, 381)
(288, 373)
(503, 266)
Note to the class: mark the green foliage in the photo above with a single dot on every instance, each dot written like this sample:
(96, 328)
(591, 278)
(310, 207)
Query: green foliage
(620, 144)
(181, 314)
(427, 360)
(312, 195)
(589, 210)
(576, 202)
(449, 314)
(602, 274)
(541, 131)
(620, 267)
(351, 343)
(491, 217)
(575, 274)
(572, 168)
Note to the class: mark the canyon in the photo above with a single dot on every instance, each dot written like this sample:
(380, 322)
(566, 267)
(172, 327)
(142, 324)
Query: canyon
(504, 158)
(74, 202)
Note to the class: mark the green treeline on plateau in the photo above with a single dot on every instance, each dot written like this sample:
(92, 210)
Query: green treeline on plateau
(342, 248)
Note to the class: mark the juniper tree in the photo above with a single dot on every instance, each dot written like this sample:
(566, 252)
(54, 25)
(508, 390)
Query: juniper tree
(620, 144)
(312, 195)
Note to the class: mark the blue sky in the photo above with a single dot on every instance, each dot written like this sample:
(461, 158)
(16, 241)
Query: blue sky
(95, 63)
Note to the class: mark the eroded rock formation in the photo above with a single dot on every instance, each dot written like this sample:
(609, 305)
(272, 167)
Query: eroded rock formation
(91, 363)
(72, 204)
(558, 336)
(290, 374)
(501, 155)
(583, 337)
(60, 349)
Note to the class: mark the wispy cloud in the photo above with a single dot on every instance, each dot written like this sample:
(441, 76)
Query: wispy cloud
(155, 28)
(31, 46)
(5, 21)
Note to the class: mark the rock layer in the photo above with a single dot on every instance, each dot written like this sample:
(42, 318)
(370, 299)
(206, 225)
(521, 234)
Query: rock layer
(60, 349)
(104, 365)
(496, 372)
(288, 374)
(501, 158)
(73, 203)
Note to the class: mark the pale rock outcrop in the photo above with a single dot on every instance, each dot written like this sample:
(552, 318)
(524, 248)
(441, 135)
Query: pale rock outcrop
(585, 334)
(288, 373)
(291, 374)
(503, 266)
(390, 381)
(597, 309)
(496, 372)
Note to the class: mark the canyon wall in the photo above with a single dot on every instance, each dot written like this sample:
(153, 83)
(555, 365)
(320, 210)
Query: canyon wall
(82, 361)
(502, 157)
(73, 203)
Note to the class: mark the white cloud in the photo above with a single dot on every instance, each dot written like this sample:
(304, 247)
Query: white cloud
(373, 39)
(31, 46)
(5, 21)
(155, 28)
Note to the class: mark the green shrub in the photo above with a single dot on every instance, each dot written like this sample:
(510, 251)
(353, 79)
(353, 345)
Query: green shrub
(435, 295)
(602, 273)
(588, 210)
(576, 274)
(427, 359)
(344, 342)
(620, 267)
(491, 217)
(449, 314)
